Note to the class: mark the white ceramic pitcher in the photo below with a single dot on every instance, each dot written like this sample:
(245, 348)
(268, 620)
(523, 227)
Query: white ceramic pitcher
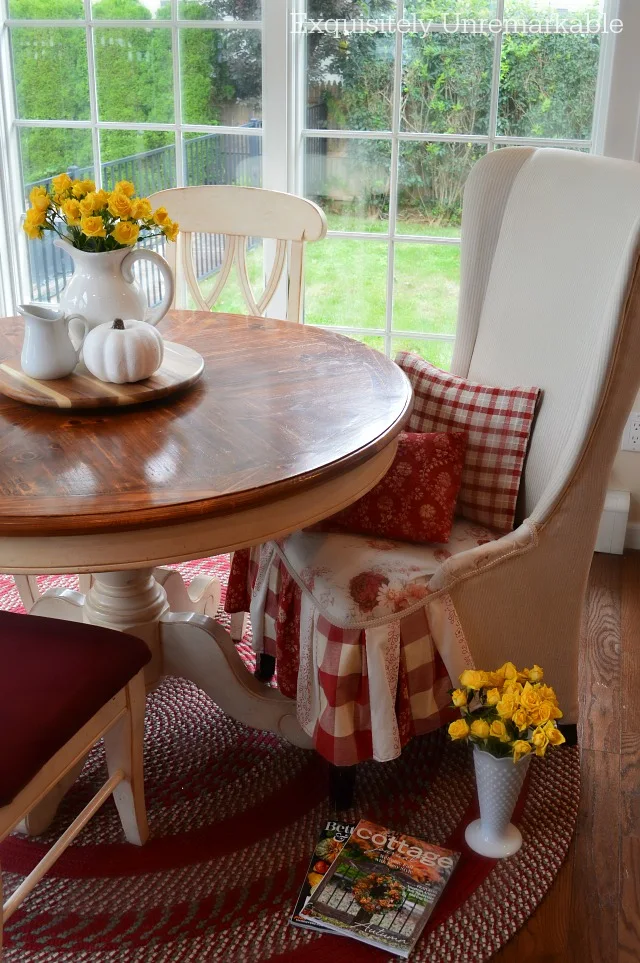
(103, 287)
(48, 351)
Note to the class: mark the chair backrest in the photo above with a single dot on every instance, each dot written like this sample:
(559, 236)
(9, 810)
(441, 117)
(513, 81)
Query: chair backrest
(549, 257)
(241, 213)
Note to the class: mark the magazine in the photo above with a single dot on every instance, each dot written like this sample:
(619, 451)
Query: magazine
(381, 888)
(329, 846)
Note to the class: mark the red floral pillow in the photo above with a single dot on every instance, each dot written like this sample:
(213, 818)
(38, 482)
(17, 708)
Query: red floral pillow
(416, 499)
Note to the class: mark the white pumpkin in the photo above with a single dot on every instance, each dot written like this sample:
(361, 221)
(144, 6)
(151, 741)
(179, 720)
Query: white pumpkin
(123, 352)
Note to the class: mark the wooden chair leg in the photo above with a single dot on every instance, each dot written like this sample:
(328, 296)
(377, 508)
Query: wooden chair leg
(123, 745)
(265, 667)
(342, 784)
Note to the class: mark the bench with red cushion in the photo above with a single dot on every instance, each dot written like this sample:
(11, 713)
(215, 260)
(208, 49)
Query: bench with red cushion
(54, 677)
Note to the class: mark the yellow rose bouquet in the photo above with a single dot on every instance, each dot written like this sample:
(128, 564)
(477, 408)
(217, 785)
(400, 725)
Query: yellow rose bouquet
(507, 712)
(95, 221)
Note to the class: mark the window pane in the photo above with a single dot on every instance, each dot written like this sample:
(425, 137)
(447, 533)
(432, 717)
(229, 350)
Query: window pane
(223, 159)
(548, 85)
(147, 158)
(221, 77)
(437, 10)
(51, 74)
(130, 10)
(46, 9)
(350, 81)
(426, 287)
(350, 180)
(431, 180)
(438, 353)
(135, 75)
(447, 83)
(346, 283)
(47, 151)
(329, 9)
(573, 11)
(220, 9)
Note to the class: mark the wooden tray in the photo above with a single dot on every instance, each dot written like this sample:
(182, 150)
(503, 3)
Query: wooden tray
(180, 368)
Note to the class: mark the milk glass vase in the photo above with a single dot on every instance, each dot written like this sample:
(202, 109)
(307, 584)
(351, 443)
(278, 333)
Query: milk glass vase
(499, 782)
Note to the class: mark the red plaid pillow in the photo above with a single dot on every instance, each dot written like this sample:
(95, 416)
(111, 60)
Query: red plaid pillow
(415, 500)
(498, 422)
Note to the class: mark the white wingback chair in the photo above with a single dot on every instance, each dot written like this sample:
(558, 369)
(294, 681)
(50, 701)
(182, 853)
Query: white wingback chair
(550, 297)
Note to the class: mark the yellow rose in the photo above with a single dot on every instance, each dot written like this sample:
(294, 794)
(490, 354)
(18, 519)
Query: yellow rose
(61, 184)
(541, 714)
(120, 205)
(33, 223)
(493, 697)
(495, 679)
(472, 679)
(529, 698)
(87, 205)
(39, 198)
(508, 671)
(547, 694)
(540, 741)
(124, 187)
(513, 688)
(161, 216)
(71, 211)
(459, 698)
(100, 200)
(520, 749)
(141, 209)
(126, 232)
(170, 230)
(93, 227)
(480, 729)
(80, 188)
(459, 729)
(535, 674)
(554, 735)
(498, 730)
(507, 706)
(520, 719)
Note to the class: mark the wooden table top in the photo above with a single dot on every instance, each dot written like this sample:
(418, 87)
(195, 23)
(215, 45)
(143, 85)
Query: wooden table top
(279, 407)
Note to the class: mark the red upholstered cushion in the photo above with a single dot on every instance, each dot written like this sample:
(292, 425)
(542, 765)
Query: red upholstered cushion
(54, 676)
(415, 500)
(498, 422)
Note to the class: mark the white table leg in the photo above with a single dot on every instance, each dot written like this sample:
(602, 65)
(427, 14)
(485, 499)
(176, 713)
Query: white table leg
(202, 595)
(197, 648)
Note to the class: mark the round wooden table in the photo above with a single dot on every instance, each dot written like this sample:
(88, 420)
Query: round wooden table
(288, 424)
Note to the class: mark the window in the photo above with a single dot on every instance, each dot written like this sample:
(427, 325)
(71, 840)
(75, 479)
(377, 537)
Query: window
(380, 125)
(398, 109)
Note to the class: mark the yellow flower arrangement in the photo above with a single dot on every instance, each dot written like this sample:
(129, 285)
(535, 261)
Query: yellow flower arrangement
(507, 712)
(95, 220)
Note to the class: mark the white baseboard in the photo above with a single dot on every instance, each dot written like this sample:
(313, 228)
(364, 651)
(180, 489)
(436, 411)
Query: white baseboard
(633, 535)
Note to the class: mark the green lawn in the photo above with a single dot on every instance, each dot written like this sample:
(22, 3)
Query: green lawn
(346, 286)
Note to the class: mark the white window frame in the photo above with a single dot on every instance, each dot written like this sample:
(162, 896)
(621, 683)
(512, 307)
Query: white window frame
(616, 125)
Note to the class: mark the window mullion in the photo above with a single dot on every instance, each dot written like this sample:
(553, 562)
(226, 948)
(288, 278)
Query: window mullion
(93, 96)
(495, 79)
(393, 185)
(177, 95)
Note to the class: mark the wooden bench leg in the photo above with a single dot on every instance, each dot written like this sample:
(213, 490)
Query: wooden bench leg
(123, 745)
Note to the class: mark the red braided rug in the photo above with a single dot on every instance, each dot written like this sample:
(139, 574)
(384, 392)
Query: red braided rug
(234, 815)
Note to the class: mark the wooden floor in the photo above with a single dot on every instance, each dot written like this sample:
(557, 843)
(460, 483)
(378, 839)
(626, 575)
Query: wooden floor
(592, 913)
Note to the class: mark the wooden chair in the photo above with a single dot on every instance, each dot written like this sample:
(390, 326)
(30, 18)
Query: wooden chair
(64, 686)
(240, 213)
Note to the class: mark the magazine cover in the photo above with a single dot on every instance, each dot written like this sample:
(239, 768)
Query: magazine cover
(381, 888)
(333, 838)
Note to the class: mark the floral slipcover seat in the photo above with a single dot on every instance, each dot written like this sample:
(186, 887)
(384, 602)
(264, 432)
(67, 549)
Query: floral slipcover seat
(363, 629)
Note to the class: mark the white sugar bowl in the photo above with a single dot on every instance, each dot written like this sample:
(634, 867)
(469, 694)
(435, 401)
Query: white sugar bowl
(123, 351)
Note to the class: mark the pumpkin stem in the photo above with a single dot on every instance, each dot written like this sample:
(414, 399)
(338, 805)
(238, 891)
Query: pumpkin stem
(118, 324)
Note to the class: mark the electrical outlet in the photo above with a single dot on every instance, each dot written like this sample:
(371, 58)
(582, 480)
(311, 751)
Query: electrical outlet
(631, 436)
